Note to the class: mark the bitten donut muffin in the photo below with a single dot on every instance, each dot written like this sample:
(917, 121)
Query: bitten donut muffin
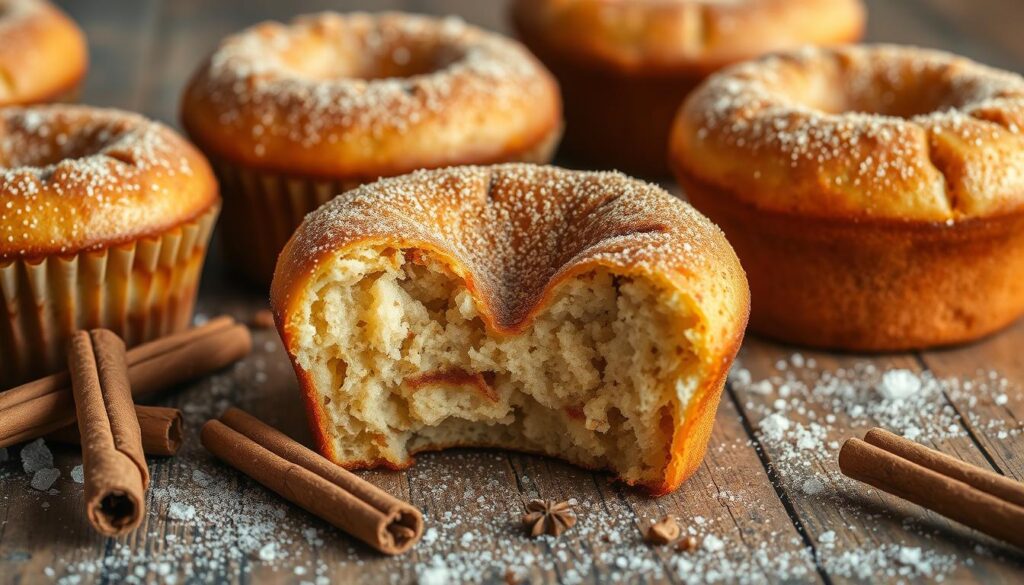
(624, 66)
(43, 55)
(104, 222)
(293, 114)
(875, 195)
(587, 316)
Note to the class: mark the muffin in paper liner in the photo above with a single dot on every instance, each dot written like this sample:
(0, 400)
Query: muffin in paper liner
(105, 219)
(141, 290)
(286, 137)
(261, 210)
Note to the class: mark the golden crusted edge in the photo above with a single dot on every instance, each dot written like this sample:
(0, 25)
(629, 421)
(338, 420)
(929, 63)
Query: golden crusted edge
(724, 326)
(200, 119)
(207, 195)
(918, 168)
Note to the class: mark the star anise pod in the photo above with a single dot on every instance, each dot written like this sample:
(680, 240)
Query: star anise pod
(663, 531)
(548, 517)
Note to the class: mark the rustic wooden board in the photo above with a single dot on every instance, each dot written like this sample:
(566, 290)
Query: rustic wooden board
(778, 508)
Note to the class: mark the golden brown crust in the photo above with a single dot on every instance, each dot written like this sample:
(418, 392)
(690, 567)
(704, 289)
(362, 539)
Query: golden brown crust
(860, 132)
(514, 233)
(43, 55)
(686, 36)
(874, 284)
(76, 178)
(359, 96)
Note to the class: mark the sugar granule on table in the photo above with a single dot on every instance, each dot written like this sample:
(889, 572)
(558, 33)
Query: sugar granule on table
(472, 534)
(35, 456)
(44, 479)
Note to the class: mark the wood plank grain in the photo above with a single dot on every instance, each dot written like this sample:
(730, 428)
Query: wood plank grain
(143, 53)
(994, 412)
(804, 413)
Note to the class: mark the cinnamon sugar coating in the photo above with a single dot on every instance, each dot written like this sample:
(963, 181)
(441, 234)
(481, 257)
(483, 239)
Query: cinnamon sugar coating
(515, 230)
(359, 96)
(584, 315)
(43, 54)
(859, 132)
(75, 178)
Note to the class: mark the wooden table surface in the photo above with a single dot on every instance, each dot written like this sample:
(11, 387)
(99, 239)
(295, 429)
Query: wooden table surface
(768, 504)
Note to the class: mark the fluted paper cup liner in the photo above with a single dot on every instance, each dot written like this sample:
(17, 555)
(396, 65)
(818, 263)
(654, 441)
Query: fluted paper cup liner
(141, 290)
(261, 210)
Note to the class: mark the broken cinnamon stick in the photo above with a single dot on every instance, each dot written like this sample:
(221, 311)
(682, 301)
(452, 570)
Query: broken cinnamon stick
(37, 408)
(161, 429)
(116, 475)
(312, 482)
(925, 479)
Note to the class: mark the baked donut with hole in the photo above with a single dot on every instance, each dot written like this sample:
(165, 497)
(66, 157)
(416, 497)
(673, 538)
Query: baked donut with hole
(293, 114)
(104, 222)
(582, 315)
(874, 194)
(43, 54)
(625, 66)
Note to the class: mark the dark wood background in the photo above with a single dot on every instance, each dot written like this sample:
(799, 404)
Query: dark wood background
(142, 52)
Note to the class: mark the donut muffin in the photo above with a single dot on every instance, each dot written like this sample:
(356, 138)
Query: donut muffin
(875, 195)
(582, 315)
(624, 66)
(104, 222)
(43, 55)
(293, 114)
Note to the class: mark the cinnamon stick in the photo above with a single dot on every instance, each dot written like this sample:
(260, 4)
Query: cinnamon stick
(956, 496)
(116, 475)
(987, 481)
(45, 405)
(312, 482)
(161, 429)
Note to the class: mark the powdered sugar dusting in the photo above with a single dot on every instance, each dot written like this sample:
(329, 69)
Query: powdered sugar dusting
(882, 130)
(73, 175)
(329, 78)
(517, 227)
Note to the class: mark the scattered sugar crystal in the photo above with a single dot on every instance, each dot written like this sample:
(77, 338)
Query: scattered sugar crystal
(179, 511)
(1001, 399)
(899, 384)
(43, 479)
(200, 477)
(813, 486)
(712, 543)
(827, 537)
(429, 536)
(78, 474)
(774, 426)
(912, 432)
(268, 552)
(35, 456)
(435, 574)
